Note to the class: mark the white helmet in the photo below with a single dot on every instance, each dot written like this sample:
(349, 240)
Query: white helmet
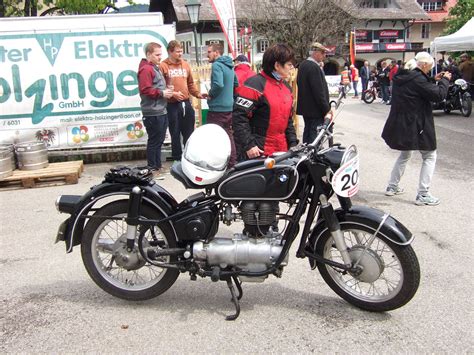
(206, 155)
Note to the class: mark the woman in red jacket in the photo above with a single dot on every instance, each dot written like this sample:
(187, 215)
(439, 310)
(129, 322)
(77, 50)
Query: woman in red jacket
(262, 116)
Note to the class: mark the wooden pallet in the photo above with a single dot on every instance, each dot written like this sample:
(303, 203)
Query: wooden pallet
(55, 173)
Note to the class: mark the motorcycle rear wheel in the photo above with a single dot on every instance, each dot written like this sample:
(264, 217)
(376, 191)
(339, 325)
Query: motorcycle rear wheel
(390, 276)
(466, 106)
(103, 246)
(368, 96)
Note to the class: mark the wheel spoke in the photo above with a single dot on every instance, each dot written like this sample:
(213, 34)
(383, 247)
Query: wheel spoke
(138, 276)
(372, 252)
(108, 239)
(390, 284)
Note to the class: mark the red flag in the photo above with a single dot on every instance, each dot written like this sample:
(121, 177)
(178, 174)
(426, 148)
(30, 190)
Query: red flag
(352, 51)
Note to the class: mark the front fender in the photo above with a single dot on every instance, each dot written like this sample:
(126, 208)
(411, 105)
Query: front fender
(368, 217)
(154, 195)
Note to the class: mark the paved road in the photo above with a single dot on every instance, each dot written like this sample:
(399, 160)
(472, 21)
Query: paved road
(48, 304)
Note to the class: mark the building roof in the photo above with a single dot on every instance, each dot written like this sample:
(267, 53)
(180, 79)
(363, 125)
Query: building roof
(406, 10)
(440, 16)
(402, 10)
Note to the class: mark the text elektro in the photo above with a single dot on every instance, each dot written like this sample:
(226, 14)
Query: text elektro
(89, 49)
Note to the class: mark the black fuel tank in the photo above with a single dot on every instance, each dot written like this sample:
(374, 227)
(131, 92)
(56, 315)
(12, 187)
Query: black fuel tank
(260, 183)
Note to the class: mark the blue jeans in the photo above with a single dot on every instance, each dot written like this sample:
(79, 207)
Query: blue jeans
(156, 130)
(181, 123)
(385, 92)
(311, 128)
(365, 84)
(354, 86)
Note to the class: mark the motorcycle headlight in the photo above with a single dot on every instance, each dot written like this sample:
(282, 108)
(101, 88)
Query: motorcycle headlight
(462, 83)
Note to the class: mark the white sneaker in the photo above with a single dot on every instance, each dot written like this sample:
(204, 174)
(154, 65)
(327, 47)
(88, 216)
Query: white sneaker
(426, 200)
(391, 191)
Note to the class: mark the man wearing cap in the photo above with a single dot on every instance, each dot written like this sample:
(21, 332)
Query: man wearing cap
(313, 93)
(242, 69)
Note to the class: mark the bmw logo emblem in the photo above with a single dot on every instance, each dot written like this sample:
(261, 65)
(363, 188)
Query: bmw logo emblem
(283, 178)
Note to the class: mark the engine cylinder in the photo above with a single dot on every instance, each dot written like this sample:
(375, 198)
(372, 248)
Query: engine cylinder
(263, 213)
(246, 253)
(258, 216)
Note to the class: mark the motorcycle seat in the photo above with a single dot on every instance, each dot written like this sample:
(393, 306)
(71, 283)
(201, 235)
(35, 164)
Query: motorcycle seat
(177, 172)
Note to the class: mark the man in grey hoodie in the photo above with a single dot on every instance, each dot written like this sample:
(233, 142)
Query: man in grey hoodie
(221, 94)
(153, 94)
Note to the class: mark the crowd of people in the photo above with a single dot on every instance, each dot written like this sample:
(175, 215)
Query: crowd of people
(236, 93)
(165, 89)
(256, 109)
(384, 75)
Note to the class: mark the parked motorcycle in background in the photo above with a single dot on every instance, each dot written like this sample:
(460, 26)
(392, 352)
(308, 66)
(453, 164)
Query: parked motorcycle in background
(136, 238)
(458, 98)
(373, 91)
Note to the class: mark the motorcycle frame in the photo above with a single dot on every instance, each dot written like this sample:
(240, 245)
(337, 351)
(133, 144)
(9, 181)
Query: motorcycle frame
(315, 189)
(310, 191)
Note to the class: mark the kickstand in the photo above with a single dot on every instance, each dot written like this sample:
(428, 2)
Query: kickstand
(235, 299)
(239, 287)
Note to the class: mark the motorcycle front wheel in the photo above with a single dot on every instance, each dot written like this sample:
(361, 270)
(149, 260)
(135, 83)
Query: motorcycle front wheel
(368, 96)
(389, 274)
(466, 106)
(119, 272)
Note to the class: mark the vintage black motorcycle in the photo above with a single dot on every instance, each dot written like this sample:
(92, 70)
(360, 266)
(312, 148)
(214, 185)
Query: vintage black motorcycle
(458, 98)
(136, 238)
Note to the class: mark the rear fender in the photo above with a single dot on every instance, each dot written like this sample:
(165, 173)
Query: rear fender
(153, 195)
(368, 217)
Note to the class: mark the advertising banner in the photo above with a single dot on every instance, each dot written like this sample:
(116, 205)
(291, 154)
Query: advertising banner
(386, 34)
(76, 87)
(331, 50)
(333, 85)
(364, 35)
(225, 11)
(364, 47)
(396, 46)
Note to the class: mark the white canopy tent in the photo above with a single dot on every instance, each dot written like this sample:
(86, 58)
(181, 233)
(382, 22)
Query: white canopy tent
(462, 40)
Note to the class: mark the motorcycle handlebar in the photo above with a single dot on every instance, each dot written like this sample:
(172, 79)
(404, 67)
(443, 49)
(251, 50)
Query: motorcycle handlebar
(289, 154)
(270, 162)
(327, 124)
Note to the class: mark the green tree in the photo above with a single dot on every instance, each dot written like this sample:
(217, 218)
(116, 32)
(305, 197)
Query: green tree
(79, 7)
(65, 7)
(15, 8)
(459, 14)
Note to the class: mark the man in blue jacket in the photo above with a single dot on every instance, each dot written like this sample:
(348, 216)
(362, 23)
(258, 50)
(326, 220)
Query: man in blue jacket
(221, 94)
